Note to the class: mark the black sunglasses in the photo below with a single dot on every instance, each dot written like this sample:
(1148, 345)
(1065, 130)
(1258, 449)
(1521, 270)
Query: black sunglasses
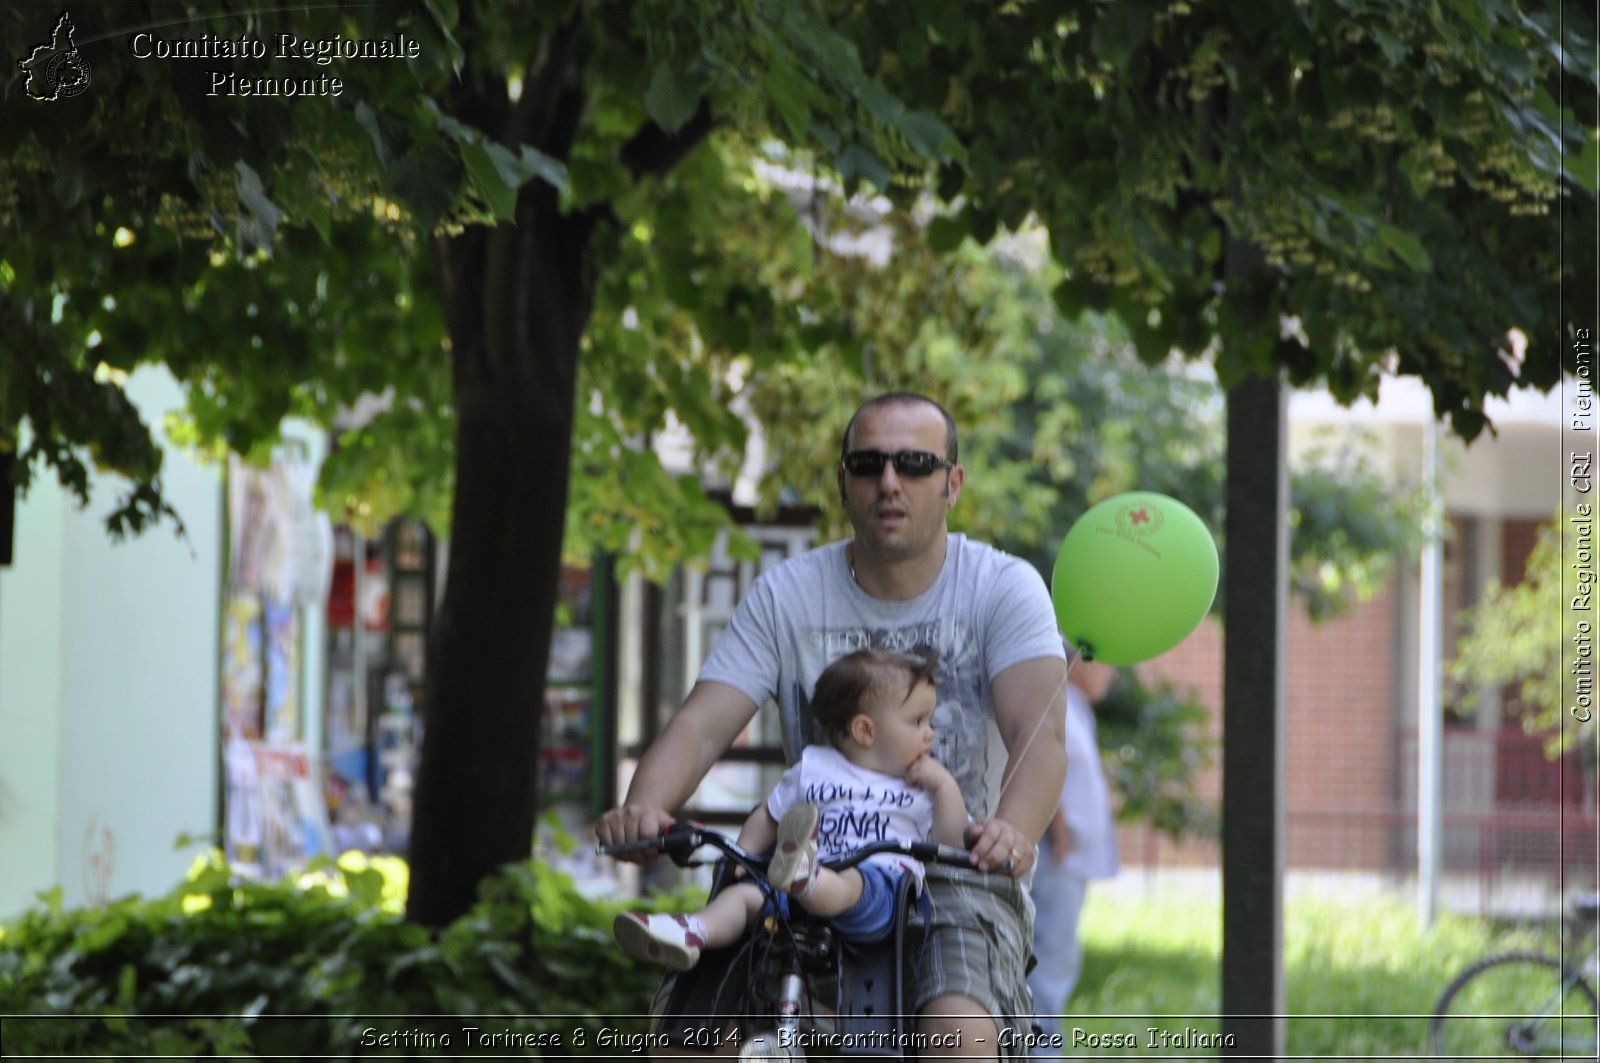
(914, 463)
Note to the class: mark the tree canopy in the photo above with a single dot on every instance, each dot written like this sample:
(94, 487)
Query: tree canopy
(1140, 135)
(1341, 189)
(526, 237)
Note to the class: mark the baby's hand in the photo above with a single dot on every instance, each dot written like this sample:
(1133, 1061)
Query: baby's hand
(928, 774)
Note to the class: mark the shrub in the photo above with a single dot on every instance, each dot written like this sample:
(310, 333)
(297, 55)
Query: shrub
(323, 965)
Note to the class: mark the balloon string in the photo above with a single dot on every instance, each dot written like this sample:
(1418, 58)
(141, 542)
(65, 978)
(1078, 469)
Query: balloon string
(1016, 762)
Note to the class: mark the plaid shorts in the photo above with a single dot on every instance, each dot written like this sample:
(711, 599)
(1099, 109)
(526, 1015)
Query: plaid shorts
(979, 940)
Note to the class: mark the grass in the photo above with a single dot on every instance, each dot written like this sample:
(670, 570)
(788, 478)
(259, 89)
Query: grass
(1361, 973)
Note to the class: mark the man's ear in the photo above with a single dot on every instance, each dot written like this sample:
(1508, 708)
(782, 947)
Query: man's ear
(861, 730)
(954, 479)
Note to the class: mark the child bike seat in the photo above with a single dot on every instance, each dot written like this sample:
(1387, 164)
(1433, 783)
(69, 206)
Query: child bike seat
(860, 996)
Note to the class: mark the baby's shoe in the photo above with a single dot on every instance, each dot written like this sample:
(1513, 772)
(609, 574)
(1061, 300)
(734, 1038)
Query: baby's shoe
(794, 863)
(673, 941)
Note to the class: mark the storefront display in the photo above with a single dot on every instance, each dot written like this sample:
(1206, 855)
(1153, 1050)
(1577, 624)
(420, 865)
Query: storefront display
(355, 747)
(274, 820)
(379, 608)
(577, 759)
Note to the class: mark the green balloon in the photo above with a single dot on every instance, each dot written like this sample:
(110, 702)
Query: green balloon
(1134, 576)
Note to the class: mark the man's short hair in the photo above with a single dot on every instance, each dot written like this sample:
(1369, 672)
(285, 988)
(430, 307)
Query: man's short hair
(845, 686)
(904, 398)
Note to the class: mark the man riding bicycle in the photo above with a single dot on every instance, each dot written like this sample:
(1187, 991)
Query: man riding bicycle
(904, 582)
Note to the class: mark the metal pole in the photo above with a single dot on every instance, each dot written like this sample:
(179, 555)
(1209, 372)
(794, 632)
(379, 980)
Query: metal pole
(1429, 716)
(358, 646)
(1254, 725)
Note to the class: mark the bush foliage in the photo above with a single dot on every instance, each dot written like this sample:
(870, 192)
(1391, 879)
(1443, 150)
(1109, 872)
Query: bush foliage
(319, 966)
(1155, 742)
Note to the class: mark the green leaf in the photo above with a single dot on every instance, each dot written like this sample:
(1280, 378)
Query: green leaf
(71, 180)
(497, 173)
(1118, 32)
(671, 98)
(499, 194)
(127, 984)
(859, 162)
(928, 136)
(1394, 50)
(428, 183)
(315, 209)
(982, 223)
(536, 163)
(367, 119)
(100, 936)
(788, 95)
(261, 224)
(1585, 169)
(1405, 246)
(945, 233)
(445, 16)
(1071, 297)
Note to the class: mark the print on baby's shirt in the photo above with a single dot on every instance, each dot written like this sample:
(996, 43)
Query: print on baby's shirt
(852, 817)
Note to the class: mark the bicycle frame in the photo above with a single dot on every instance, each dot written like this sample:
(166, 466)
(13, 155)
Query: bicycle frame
(802, 945)
(1534, 1035)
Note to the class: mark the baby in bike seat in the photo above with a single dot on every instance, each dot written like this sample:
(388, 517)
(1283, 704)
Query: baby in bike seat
(876, 779)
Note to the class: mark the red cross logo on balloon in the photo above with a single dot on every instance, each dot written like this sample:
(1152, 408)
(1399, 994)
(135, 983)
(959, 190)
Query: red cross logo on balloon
(1141, 519)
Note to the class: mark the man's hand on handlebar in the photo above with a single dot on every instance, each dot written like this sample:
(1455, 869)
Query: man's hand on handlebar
(631, 823)
(994, 843)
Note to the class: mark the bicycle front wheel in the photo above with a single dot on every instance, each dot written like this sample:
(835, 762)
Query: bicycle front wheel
(1516, 1004)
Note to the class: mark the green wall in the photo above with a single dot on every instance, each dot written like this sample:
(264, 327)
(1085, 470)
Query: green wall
(108, 686)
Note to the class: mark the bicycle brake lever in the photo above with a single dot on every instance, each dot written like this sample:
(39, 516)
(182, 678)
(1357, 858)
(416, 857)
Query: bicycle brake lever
(680, 840)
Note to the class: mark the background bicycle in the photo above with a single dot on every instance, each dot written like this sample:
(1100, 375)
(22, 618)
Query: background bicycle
(1526, 1004)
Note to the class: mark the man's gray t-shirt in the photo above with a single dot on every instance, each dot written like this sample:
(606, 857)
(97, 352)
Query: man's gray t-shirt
(986, 612)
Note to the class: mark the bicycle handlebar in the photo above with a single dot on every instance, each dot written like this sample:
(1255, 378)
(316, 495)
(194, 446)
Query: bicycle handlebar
(633, 848)
(927, 852)
(680, 840)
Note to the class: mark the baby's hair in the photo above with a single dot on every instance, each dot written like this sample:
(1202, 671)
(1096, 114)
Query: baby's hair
(845, 685)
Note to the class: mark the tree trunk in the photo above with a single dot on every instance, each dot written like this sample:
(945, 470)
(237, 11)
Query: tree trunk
(8, 507)
(518, 299)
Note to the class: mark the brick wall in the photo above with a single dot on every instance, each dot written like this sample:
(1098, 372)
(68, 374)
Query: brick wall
(1350, 754)
(1339, 781)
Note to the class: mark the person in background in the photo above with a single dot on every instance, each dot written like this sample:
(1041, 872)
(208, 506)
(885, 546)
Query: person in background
(1078, 846)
